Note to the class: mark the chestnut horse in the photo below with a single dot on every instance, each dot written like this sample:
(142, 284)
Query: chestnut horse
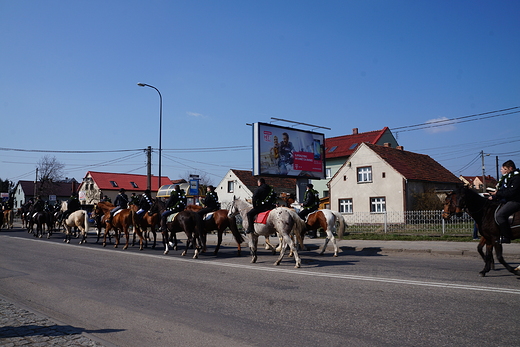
(143, 222)
(8, 219)
(121, 222)
(187, 221)
(219, 221)
(482, 211)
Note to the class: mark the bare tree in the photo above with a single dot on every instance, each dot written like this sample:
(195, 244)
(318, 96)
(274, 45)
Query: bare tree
(50, 171)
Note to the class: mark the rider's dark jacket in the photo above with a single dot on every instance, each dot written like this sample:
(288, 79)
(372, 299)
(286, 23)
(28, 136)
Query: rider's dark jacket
(261, 196)
(176, 201)
(311, 199)
(145, 202)
(211, 201)
(121, 200)
(508, 188)
(73, 204)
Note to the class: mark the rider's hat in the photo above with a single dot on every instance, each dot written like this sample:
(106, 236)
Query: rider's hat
(121, 190)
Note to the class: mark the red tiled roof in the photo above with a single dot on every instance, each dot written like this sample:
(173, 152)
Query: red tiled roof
(103, 179)
(279, 184)
(347, 144)
(414, 166)
(55, 188)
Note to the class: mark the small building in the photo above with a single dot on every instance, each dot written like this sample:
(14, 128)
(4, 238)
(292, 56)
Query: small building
(242, 184)
(96, 185)
(49, 191)
(338, 149)
(475, 182)
(379, 179)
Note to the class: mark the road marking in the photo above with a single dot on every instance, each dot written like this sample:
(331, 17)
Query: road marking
(300, 272)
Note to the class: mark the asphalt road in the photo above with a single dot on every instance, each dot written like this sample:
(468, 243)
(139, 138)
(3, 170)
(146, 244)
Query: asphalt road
(361, 298)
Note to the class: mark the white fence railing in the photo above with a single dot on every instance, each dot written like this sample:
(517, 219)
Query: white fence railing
(408, 222)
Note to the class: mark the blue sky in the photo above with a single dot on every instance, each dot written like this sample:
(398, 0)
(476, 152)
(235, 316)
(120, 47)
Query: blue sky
(69, 72)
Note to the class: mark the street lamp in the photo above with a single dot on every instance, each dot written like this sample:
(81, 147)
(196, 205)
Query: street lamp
(160, 127)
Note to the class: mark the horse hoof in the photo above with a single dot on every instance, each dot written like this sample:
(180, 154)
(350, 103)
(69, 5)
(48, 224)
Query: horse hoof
(482, 274)
(166, 252)
(68, 241)
(183, 253)
(335, 255)
(65, 240)
(297, 266)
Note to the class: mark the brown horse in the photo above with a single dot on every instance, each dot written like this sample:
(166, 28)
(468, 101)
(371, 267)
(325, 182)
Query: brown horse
(219, 221)
(327, 220)
(120, 222)
(187, 221)
(143, 222)
(8, 219)
(482, 211)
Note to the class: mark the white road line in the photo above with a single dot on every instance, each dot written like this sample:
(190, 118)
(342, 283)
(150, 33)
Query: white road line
(300, 272)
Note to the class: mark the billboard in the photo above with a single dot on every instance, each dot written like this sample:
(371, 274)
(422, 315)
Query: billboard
(287, 152)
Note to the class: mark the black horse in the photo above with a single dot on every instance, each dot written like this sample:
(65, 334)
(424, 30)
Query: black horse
(482, 210)
(188, 221)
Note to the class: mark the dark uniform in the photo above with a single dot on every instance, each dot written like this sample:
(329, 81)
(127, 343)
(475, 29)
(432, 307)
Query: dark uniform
(120, 203)
(176, 203)
(210, 202)
(73, 205)
(145, 202)
(508, 193)
(311, 202)
(264, 199)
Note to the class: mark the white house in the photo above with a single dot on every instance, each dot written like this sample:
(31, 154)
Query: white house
(242, 184)
(379, 179)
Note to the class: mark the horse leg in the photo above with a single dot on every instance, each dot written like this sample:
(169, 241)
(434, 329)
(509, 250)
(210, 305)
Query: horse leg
(219, 241)
(165, 240)
(480, 246)
(498, 250)
(253, 244)
(141, 237)
(488, 260)
(127, 236)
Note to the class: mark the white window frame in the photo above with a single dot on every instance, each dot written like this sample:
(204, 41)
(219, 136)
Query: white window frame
(364, 174)
(345, 205)
(328, 172)
(378, 204)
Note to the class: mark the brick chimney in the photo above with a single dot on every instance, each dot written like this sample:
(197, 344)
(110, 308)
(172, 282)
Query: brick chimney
(387, 144)
(354, 131)
(401, 148)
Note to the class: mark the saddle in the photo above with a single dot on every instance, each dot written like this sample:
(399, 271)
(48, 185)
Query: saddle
(171, 217)
(208, 216)
(261, 218)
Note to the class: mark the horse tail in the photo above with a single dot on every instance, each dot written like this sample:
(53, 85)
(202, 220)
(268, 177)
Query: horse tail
(342, 224)
(85, 216)
(298, 227)
(234, 229)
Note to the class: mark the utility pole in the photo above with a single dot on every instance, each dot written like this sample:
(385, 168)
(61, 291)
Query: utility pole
(35, 183)
(483, 172)
(149, 168)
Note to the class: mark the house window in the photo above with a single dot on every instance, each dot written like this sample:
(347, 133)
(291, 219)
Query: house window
(345, 205)
(113, 183)
(134, 184)
(328, 172)
(364, 174)
(378, 205)
(231, 187)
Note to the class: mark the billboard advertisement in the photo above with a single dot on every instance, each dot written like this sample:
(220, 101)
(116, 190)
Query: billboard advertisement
(287, 152)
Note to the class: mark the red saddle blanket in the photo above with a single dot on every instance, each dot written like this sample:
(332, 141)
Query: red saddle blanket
(262, 217)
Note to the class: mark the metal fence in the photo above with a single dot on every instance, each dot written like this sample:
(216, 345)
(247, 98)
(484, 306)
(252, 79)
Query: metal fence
(408, 222)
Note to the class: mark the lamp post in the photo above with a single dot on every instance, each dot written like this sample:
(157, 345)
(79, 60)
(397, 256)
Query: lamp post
(160, 127)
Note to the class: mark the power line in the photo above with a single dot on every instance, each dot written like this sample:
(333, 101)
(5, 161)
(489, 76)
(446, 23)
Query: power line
(450, 121)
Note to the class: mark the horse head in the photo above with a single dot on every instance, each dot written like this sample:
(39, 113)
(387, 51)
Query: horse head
(453, 205)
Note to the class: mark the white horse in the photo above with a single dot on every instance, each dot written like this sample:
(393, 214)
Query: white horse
(77, 219)
(281, 220)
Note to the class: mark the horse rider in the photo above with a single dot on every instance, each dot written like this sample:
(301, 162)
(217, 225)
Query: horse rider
(144, 203)
(73, 205)
(121, 202)
(106, 199)
(508, 193)
(176, 203)
(264, 199)
(134, 199)
(311, 201)
(38, 206)
(210, 202)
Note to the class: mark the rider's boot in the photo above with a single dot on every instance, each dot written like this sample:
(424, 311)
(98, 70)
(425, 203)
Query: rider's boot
(505, 233)
(109, 220)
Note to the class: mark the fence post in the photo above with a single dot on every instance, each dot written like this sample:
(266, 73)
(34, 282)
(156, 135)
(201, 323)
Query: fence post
(385, 221)
(443, 226)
